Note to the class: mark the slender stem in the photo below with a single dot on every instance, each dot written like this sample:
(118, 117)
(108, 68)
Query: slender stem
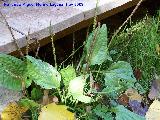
(22, 33)
(37, 47)
(10, 29)
(134, 10)
(71, 54)
(95, 16)
(53, 46)
(73, 46)
(96, 31)
(28, 39)
(98, 72)
(83, 54)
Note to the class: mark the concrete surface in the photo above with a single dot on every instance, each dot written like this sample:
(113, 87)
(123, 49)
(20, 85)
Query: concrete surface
(7, 96)
(37, 19)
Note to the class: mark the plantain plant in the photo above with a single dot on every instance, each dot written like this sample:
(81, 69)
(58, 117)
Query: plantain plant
(76, 88)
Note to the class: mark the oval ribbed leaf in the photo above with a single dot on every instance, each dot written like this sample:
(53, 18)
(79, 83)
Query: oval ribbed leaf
(42, 73)
(12, 72)
(98, 45)
(118, 78)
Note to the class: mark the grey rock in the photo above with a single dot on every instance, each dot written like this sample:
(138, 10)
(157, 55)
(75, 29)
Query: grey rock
(7, 96)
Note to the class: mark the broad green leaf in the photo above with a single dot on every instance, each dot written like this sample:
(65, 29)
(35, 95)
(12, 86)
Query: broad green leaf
(118, 78)
(76, 87)
(98, 46)
(12, 72)
(42, 73)
(103, 112)
(124, 114)
(68, 74)
(55, 112)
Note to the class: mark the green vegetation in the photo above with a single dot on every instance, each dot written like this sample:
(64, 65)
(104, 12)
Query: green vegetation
(138, 45)
(95, 89)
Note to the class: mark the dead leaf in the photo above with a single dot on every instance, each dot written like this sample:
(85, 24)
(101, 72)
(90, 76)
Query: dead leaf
(123, 99)
(13, 112)
(153, 112)
(155, 90)
(48, 99)
(137, 73)
(55, 100)
(138, 107)
(96, 86)
(55, 112)
(45, 97)
(133, 95)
